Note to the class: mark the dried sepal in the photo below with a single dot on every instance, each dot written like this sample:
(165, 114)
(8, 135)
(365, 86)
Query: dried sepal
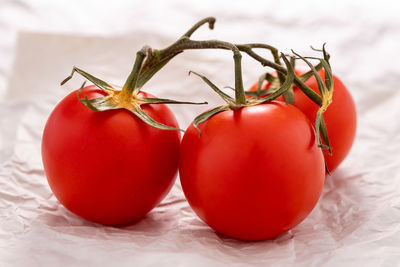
(228, 99)
(206, 115)
(150, 121)
(149, 100)
(328, 74)
(259, 84)
(98, 82)
(316, 98)
(98, 104)
(285, 86)
(324, 52)
(326, 90)
(95, 104)
(262, 92)
(321, 86)
(289, 95)
(272, 80)
(319, 121)
(304, 77)
(324, 134)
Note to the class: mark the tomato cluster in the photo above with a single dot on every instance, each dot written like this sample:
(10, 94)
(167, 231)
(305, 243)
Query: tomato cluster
(251, 169)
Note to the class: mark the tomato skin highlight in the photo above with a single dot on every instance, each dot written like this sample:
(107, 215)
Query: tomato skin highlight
(255, 172)
(109, 167)
(340, 117)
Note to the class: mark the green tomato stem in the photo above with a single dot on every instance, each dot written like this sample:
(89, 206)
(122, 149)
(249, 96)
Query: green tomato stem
(130, 84)
(240, 96)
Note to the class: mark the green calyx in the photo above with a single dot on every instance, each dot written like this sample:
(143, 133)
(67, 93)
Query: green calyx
(281, 85)
(147, 63)
(323, 100)
(326, 91)
(240, 100)
(122, 99)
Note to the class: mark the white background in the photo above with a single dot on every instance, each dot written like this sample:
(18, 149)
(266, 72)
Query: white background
(357, 220)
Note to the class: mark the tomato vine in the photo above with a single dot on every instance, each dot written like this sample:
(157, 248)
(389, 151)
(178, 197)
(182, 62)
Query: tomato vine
(149, 61)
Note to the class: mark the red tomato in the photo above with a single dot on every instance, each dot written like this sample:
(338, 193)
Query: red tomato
(109, 167)
(340, 117)
(255, 172)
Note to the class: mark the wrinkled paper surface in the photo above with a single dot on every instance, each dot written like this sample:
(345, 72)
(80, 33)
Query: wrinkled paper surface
(355, 223)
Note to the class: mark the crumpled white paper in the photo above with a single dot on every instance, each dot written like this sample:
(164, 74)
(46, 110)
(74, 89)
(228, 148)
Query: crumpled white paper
(355, 223)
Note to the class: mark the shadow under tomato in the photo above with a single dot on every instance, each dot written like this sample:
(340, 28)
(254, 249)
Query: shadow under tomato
(63, 221)
(282, 237)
